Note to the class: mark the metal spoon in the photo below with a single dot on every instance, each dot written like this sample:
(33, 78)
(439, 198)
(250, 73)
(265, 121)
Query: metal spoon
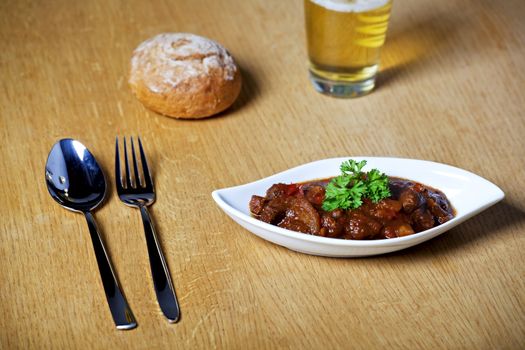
(76, 181)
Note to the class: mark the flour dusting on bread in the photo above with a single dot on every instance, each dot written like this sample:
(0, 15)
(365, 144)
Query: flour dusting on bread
(177, 57)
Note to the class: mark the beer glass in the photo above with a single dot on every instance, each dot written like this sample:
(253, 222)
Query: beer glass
(344, 39)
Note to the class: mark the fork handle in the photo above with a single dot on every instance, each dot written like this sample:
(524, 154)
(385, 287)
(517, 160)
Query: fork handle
(159, 271)
(121, 312)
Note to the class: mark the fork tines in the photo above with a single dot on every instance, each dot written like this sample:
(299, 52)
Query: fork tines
(136, 179)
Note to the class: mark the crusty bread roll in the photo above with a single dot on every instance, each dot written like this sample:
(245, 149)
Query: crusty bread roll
(184, 75)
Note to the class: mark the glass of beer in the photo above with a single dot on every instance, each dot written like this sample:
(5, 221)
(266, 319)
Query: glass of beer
(344, 39)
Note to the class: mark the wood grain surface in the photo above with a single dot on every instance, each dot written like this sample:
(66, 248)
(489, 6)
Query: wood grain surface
(451, 90)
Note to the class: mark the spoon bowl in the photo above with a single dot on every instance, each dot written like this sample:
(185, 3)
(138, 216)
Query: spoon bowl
(74, 178)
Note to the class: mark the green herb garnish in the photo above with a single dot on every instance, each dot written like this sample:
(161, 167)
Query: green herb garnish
(347, 190)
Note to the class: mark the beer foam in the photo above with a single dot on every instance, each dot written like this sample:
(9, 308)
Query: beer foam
(350, 5)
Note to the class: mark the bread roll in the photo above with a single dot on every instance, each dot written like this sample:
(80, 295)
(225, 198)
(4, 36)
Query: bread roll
(184, 75)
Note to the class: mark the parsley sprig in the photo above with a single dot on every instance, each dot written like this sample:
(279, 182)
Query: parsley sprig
(347, 190)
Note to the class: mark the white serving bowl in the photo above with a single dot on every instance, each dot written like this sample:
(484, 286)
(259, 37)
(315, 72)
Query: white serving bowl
(468, 193)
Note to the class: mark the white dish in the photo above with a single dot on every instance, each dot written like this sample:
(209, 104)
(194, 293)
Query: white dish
(468, 193)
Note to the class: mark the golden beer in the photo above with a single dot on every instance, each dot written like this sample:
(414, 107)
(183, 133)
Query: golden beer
(344, 40)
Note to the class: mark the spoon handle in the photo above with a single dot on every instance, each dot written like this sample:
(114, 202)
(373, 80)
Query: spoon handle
(118, 305)
(159, 271)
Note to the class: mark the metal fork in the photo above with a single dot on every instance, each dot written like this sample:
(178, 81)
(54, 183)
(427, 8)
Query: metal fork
(137, 191)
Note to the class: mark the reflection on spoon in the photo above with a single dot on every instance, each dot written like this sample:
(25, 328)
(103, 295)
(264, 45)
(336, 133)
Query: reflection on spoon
(76, 181)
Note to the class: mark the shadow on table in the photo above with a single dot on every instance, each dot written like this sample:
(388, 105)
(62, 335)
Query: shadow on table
(409, 47)
(249, 90)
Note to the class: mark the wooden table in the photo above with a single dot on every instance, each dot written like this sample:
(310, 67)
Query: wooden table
(451, 91)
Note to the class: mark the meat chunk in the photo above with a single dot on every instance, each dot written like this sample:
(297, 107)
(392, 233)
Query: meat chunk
(385, 210)
(281, 190)
(331, 225)
(292, 213)
(390, 204)
(257, 204)
(421, 220)
(338, 213)
(315, 194)
(360, 226)
(410, 200)
(393, 231)
(397, 186)
(275, 210)
(290, 223)
(439, 208)
(302, 214)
